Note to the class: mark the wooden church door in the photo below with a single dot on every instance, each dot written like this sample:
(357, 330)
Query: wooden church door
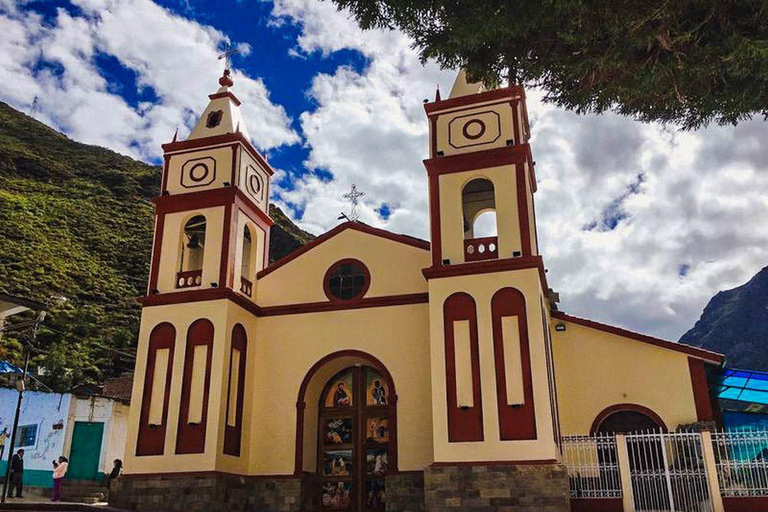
(356, 440)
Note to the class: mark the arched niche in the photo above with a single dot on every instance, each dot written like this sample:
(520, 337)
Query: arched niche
(307, 404)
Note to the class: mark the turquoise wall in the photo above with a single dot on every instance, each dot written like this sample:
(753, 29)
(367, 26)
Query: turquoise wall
(32, 477)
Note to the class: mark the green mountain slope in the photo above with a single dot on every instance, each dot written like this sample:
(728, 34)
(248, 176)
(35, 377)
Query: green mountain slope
(77, 222)
(735, 323)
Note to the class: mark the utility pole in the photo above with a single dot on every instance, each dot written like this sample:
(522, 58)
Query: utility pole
(20, 386)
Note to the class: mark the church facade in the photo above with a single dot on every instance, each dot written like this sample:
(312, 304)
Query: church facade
(370, 370)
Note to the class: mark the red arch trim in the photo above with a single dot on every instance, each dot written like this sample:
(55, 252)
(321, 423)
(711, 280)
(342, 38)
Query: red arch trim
(626, 407)
(151, 440)
(301, 403)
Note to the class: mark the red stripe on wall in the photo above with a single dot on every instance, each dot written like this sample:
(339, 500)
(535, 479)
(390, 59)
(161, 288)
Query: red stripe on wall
(191, 436)
(597, 505)
(515, 421)
(233, 434)
(701, 396)
(151, 438)
(745, 504)
(464, 423)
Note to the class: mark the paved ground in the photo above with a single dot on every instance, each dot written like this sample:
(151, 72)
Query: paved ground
(40, 504)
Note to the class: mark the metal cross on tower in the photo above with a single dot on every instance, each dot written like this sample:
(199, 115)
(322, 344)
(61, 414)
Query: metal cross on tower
(353, 196)
(229, 51)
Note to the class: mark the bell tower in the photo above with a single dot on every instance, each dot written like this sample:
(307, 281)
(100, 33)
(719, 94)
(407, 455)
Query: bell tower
(212, 216)
(211, 238)
(494, 400)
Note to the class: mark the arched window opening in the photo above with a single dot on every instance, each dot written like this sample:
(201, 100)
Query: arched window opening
(478, 201)
(246, 286)
(485, 225)
(192, 253)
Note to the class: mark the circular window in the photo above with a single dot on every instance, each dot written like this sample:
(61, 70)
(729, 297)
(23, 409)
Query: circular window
(347, 280)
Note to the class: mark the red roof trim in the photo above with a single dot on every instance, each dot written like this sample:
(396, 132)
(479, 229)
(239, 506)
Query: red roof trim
(225, 95)
(489, 266)
(218, 140)
(470, 99)
(712, 357)
(358, 226)
(366, 302)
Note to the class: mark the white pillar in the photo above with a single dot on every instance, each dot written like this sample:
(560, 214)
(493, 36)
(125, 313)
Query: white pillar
(708, 452)
(627, 496)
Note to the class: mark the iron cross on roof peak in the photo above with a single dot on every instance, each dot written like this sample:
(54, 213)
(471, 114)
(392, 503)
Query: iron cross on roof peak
(353, 196)
(229, 51)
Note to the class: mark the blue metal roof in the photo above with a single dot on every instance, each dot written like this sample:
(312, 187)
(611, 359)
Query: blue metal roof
(745, 386)
(6, 367)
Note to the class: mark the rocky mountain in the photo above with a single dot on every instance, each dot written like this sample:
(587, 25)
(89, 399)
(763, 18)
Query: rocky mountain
(735, 323)
(76, 222)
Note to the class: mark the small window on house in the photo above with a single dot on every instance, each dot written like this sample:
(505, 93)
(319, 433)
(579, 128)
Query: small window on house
(479, 208)
(347, 280)
(26, 436)
(193, 244)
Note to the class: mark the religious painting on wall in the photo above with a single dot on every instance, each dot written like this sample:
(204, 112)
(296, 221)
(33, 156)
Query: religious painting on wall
(377, 429)
(340, 392)
(376, 461)
(336, 494)
(376, 389)
(337, 463)
(338, 431)
(374, 494)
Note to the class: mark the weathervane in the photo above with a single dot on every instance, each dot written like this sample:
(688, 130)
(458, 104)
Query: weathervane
(353, 196)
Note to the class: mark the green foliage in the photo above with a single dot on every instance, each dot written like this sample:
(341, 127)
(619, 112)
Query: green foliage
(683, 61)
(77, 222)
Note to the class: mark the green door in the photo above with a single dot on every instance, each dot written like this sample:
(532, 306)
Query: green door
(86, 450)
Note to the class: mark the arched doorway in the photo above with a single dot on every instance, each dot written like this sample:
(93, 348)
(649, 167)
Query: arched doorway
(626, 419)
(644, 450)
(356, 439)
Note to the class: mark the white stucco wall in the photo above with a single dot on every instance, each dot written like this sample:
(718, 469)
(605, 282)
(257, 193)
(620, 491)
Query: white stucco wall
(41, 409)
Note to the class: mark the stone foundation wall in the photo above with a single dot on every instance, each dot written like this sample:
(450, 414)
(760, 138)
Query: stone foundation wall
(212, 492)
(497, 488)
(405, 492)
(221, 492)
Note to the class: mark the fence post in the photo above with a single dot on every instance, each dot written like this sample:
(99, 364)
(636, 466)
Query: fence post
(622, 456)
(707, 450)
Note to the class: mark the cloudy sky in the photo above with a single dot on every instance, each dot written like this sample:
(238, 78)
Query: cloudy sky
(639, 224)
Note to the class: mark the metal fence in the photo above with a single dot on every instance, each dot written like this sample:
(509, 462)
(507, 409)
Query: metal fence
(668, 472)
(593, 468)
(658, 471)
(742, 462)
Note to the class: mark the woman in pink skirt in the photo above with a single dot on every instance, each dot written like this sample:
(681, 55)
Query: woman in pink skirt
(59, 470)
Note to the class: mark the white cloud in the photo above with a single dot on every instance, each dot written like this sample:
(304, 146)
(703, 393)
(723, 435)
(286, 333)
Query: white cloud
(700, 205)
(174, 56)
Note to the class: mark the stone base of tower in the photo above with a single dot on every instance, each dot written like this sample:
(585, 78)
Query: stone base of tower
(540, 487)
(213, 492)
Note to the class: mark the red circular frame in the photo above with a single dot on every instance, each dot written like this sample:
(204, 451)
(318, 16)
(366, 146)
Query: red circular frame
(332, 269)
(465, 129)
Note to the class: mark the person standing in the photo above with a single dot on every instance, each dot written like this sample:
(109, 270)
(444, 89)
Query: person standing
(59, 470)
(3, 438)
(17, 473)
(117, 468)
